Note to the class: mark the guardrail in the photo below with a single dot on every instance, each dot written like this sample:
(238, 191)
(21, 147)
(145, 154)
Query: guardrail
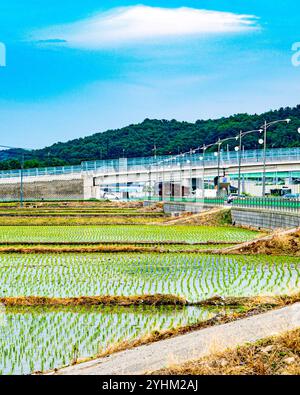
(275, 204)
(208, 201)
(161, 163)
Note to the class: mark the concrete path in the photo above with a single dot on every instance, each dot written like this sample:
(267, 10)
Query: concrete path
(191, 346)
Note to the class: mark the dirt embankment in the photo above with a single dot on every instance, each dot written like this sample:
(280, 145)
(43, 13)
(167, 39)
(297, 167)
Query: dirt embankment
(280, 243)
(154, 208)
(213, 217)
(153, 300)
(145, 300)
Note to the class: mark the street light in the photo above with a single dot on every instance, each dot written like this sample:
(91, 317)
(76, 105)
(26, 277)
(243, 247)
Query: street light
(265, 127)
(239, 150)
(21, 175)
(204, 148)
(217, 154)
(219, 143)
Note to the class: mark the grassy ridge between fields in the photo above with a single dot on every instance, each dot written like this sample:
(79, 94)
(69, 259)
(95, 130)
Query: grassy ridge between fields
(108, 247)
(153, 300)
(146, 300)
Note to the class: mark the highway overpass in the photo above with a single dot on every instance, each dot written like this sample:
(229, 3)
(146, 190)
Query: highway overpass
(180, 176)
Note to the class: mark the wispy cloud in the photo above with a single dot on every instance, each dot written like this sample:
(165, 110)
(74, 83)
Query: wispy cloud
(129, 25)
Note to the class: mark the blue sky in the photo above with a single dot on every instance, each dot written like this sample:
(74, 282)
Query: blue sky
(75, 68)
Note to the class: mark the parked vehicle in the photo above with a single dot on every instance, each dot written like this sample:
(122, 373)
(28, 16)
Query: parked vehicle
(234, 196)
(110, 196)
(291, 196)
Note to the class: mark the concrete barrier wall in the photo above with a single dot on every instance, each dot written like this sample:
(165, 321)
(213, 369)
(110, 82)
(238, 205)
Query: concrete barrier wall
(174, 207)
(47, 190)
(265, 219)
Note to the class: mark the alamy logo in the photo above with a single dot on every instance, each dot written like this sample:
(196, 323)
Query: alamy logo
(2, 55)
(296, 56)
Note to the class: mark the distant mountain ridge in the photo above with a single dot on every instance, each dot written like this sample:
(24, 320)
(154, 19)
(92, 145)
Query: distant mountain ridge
(169, 137)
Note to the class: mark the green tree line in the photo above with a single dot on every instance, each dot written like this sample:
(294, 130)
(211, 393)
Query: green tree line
(169, 137)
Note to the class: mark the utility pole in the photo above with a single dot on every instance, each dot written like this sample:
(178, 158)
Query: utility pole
(264, 161)
(219, 161)
(203, 181)
(21, 184)
(240, 162)
(154, 150)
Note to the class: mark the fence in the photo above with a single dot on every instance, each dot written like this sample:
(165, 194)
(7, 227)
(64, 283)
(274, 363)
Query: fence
(162, 162)
(274, 204)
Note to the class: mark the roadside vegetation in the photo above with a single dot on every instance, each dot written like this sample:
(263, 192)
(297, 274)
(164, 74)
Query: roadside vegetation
(273, 356)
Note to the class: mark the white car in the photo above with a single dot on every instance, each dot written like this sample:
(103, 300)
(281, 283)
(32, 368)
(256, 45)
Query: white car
(234, 196)
(110, 196)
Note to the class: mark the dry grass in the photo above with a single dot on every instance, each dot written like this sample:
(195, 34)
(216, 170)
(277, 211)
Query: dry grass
(214, 217)
(274, 356)
(74, 204)
(278, 244)
(154, 208)
(99, 249)
(79, 250)
(146, 300)
(111, 243)
(72, 221)
(251, 302)
(107, 247)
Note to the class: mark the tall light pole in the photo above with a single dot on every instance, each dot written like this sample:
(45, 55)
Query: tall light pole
(154, 150)
(240, 161)
(219, 161)
(219, 143)
(21, 184)
(21, 173)
(264, 159)
(265, 127)
(204, 148)
(239, 149)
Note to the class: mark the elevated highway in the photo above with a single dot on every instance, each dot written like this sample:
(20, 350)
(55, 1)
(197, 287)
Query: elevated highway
(173, 175)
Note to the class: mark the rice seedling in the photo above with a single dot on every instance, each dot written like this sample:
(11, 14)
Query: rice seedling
(119, 233)
(192, 276)
(38, 339)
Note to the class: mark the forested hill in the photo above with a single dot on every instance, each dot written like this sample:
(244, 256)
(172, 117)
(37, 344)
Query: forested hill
(170, 137)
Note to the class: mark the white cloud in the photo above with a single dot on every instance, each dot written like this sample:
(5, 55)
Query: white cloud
(127, 25)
